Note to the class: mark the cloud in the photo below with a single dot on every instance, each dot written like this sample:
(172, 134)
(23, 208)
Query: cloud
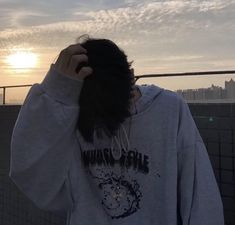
(155, 29)
(144, 18)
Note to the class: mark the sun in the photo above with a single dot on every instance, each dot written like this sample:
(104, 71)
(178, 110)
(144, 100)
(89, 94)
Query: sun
(22, 60)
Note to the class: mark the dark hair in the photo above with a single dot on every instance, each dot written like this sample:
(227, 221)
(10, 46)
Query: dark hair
(106, 95)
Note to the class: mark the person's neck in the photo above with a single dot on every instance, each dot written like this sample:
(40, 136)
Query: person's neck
(136, 95)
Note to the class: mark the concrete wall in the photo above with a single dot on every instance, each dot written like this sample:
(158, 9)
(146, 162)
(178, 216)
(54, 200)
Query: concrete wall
(216, 123)
(16, 208)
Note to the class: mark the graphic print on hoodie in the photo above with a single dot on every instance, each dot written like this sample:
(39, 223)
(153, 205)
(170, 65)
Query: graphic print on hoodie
(116, 179)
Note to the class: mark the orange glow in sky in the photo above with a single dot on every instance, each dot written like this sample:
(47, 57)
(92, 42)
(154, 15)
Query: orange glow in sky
(22, 60)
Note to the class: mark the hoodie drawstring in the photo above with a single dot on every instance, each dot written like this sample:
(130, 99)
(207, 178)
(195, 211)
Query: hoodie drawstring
(119, 141)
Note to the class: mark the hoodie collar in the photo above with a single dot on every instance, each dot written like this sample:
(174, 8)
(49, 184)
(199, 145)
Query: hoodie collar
(149, 92)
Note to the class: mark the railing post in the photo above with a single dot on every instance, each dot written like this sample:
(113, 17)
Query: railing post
(4, 94)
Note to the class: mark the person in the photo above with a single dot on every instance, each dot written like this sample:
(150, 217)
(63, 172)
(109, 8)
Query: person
(91, 143)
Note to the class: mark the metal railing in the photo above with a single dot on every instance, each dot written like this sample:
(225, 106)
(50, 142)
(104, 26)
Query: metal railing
(139, 77)
(14, 86)
(186, 74)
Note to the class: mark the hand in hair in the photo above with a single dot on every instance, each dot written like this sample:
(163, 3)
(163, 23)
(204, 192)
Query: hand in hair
(72, 62)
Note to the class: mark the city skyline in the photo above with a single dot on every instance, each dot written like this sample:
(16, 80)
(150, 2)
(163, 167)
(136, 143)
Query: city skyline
(216, 93)
(211, 94)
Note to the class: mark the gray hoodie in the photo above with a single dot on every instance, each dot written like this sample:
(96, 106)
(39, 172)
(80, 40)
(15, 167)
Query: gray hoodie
(156, 170)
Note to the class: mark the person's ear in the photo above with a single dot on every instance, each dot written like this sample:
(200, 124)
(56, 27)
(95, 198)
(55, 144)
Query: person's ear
(132, 71)
(133, 75)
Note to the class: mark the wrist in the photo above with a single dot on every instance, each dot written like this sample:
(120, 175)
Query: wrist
(62, 87)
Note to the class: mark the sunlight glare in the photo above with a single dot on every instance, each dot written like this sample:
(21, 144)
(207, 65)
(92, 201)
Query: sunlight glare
(22, 60)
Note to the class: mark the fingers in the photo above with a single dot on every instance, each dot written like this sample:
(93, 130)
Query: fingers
(84, 72)
(73, 49)
(65, 55)
(75, 66)
(72, 62)
(75, 61)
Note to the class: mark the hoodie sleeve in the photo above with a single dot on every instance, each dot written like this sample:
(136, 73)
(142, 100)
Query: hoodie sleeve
(199, 200)
(43, 141)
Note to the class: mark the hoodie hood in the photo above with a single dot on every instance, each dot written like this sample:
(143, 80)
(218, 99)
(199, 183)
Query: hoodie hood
(149, 93)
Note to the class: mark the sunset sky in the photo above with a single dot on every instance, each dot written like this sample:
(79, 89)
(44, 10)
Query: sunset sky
(159, 36)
